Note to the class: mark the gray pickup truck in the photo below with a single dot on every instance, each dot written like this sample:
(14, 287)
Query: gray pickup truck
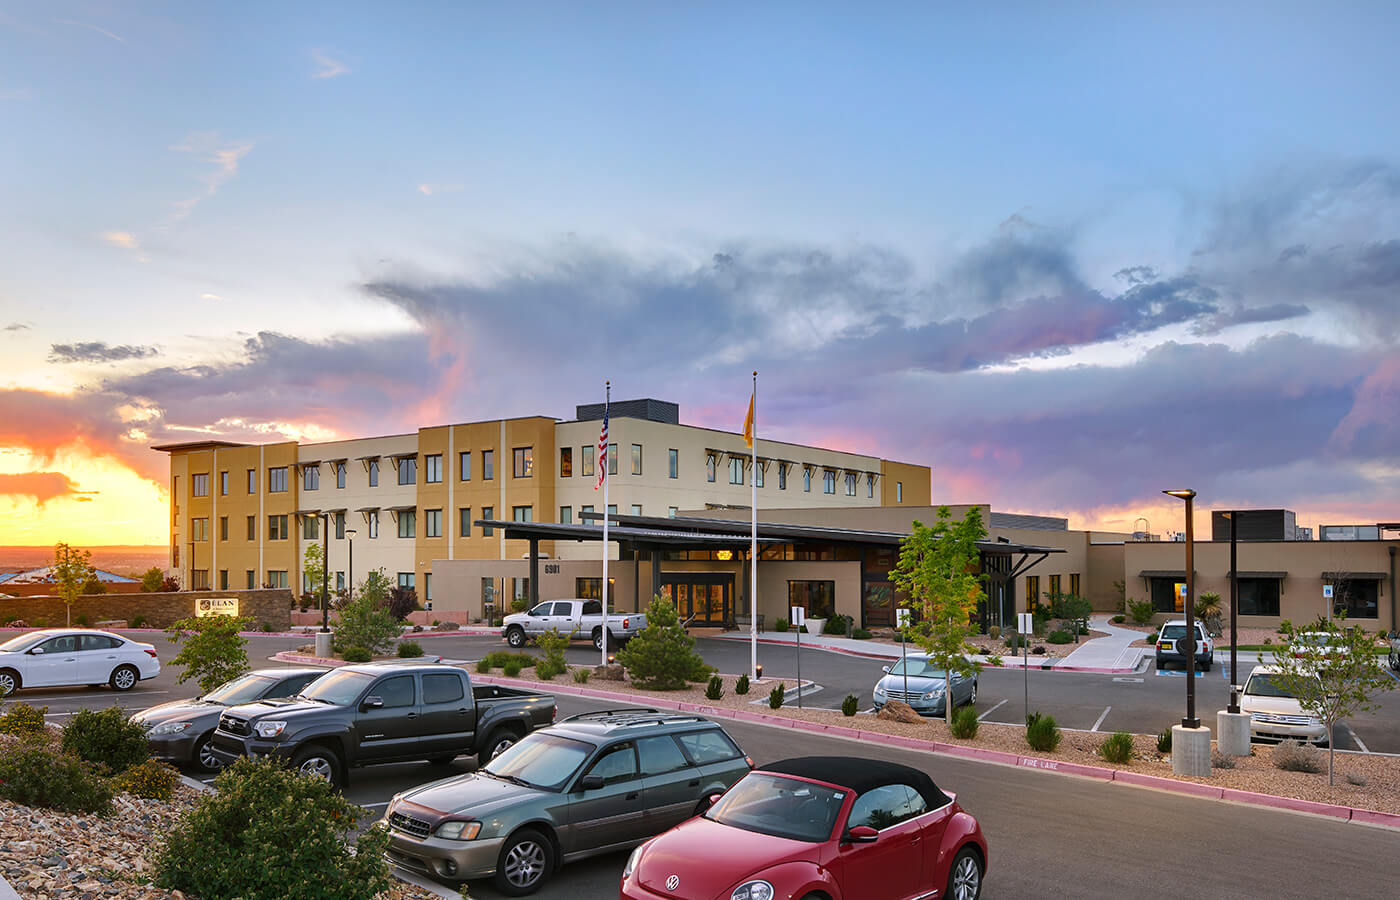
(381, 712)
(577, 619)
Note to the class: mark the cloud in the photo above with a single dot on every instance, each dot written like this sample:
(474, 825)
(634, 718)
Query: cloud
(1276, 312)
(225, 157)
(17, 326)
(210, 297)
(429, 190)
(330, 68)
(123, 239)
(97, 351)
(45, 423)
(39, 486)
(90, 27)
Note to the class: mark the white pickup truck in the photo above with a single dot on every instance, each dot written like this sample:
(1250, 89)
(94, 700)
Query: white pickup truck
(577, 618)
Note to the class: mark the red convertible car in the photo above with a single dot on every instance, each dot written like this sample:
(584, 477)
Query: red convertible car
(817, 828)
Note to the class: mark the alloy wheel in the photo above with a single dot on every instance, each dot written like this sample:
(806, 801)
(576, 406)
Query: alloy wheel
(124, 679)
(207, 760)
(967, 879)
(318, 767)
(525, 864)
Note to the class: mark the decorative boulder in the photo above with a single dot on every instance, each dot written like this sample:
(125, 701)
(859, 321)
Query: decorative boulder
(899, 711)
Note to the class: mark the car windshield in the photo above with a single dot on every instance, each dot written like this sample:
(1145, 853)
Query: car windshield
(782, 807)
(243, 689)
(1175, 632)
(541, 760)
(340, 688)
(1262, 684)
(22, 642)
(1314, 639)
(916, 668)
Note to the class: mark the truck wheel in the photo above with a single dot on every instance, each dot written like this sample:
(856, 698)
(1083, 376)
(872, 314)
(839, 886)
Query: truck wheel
(598, 639)
(524, 863)
(515, 636)
(124, 678)
(318, 762)
(499, 742)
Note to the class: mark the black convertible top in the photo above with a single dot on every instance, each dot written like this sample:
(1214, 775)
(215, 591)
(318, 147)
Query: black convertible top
(860, 775)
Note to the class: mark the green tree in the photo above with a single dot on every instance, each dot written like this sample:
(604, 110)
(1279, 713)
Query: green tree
(1072, 608)
(152, 580)
(313, 568)
(72, 569)
(1333, 679)
(662, 656)
(213, 650)
(377, 585)
(938, 570)
(365, 620)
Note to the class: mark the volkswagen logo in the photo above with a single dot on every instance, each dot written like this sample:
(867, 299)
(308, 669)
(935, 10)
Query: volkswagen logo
(673, 882)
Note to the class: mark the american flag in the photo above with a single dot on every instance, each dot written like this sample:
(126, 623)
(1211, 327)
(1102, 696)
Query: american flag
(603, 451)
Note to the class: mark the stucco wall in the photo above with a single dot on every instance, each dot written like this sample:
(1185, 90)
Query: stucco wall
(160, 610)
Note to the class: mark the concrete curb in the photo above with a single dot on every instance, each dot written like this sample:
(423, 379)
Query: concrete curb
(7, 892)
(1098, 773)
(1044, 666)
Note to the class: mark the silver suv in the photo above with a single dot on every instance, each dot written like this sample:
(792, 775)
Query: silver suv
(1169, 645)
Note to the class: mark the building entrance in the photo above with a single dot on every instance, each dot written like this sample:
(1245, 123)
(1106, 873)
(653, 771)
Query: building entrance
(704, 599)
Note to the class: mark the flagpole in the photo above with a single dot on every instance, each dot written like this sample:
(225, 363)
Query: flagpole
(605, 460)
(753, 541)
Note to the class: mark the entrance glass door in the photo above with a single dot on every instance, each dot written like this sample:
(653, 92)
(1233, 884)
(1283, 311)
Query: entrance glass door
(703, 599)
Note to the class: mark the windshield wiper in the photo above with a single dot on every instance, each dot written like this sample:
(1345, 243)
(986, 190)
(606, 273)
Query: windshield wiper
(513, 779)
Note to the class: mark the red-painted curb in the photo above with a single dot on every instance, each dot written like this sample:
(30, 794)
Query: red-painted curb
(1371, 817)
(1167, 784)
(1293, 803)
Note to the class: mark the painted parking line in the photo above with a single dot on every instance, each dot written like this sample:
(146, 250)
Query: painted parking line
(1127, 680)
(94, 693)
(75, 712)
(990, 711)
(1103, 715)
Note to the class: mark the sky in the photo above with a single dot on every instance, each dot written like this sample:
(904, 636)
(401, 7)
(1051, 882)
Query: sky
(1068, 257)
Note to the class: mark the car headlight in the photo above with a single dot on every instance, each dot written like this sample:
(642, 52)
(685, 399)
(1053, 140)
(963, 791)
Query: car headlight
(632, 861)
(753, 890)
(170, 728)
(933, 693)
(269, 729)
(458, 831)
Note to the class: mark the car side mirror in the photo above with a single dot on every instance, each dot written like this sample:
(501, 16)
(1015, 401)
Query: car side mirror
(372, 702)
(711, 800)
(37, 651)
(885, 669)
(862, 834)
(591, 783)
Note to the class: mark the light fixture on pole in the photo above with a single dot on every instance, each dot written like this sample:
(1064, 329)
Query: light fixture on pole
(1187, 645)
(325, 570)
(1234, 515)
(350, 564)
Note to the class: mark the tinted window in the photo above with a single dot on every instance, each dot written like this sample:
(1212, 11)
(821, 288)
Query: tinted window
(544, 609)
(786, 807)
(66, 643)
(291, 686)
(97, 642)
(442, 688)
(917, 804)
(543, 760)
(339, 688)
(592, 608)
(881, 808)
(660, 755)
(396, 691)
(618, 763)
(708, 746)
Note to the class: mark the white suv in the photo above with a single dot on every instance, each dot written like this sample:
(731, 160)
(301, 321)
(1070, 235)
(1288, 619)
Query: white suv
(1174, 631)
(1274, 713)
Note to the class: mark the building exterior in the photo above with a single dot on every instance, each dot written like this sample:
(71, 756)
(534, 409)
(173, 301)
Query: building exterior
(243, 515)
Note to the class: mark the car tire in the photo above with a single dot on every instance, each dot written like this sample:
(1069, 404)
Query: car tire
(525, 862)
(9, 682)
(972, 697)
(202, 759)
(499, 741)
(1159, 662)
(1205, 666)
(515, 636)
(598, 640)
(965, 876)
(124, 678)
(318, 762)
(1394, 662)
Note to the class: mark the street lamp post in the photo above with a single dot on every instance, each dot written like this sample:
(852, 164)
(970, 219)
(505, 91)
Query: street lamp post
(350, 564)
(1234, 602)
(1190, 720)
(325, 571)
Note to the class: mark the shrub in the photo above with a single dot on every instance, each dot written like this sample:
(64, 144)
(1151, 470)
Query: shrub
(520, 604)
(270, 819)
(151, 779)
(1038, 650)
(41, 622)
(38, 774)
(1220, 760)
(742, 685)
(1118, 620)
(715, 689)
(553, 644)
(581, 676)
(483, 665)
(1140, 611)
(212, 651)
(1357, 779)
(1292, 756)
(1016, 641)
(662, 657)
(835, 625)
(23, 720)
(512, 668)
(106, 738)
(151, 580)
(994, 632)
(965, 723)
(401, 601)
(356, 655)
(1059, 637)
(82, 621)
(780, 624)
(410, 650)
(775, 696)
(1042, 733)
(861, 634)
(849, 705)
(548, 668)
(266, 627)
(1117, 747)
(1164, 740)
(365, 621)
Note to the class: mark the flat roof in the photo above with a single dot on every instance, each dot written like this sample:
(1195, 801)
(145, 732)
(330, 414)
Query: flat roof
(198, 445)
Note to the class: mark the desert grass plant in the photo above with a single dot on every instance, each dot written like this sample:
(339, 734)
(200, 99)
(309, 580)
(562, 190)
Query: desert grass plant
(849, 705)
(356, 655)
(37, 773)
(1042, 733)
(581, 675)
(965, 723)
(1164, 740)
(1220, 760)
(775, 696)
(280, 834)
(715, 689)
(1117, 747)
(780, 624)
(1292, 756)
(410, 650)
(483, 666)
(107, 739)
(152, 780)
(511, 668)
(742, 685)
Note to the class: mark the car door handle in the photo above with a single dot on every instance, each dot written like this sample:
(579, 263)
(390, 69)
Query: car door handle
(633, 796)
(412, 715)
(463, 711)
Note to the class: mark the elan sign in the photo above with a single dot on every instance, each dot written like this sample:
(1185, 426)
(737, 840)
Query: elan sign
(215, 606)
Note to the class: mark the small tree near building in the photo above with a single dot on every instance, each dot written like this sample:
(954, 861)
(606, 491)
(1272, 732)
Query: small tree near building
(662, 657)
(72, 569)
(313, 568)
(152, 580)
(938, 570)
(212, 652)
(1332, 680)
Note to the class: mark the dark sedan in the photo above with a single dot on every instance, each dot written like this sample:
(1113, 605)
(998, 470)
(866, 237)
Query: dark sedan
(179, 731)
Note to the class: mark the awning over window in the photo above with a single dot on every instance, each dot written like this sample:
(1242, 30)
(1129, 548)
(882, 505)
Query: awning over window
(307, 512)
(413, 455)
(338, 460)
(1354, 576)
(1163, 573)
(367, 509)
(1244, 574)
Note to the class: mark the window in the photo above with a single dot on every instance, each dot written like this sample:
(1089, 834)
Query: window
(432, 468)
(340, 581)
(636, 459)
(1054, 585)
(566, 462)
(870, 485)
(818, 598)
(618, 763)
(674, 463)
(252, 481)
(199, 529)
(311, 478)
(736, 470)
(408, 469)
(373, 523)
(340, 475)
(311, 528)
(408, 523)
(705, 747)
(660, 755)
(520, 588)
(612, 510)
(592, 589)
(442, 688)
(828, 482)
(175, 554)
(199, 579)
(223, 579)
(223, 491)
(1164, 595)
(374, 473)
(1357, 597)
(782, 476)
(488, 512)
(758, 473)
(488, 465)
(583, 518)
(223, 528)
(587, 462)
(899, 492)
(464, 465)
(1032, 593)
(488, 592)
(340, 526)
(807, 479)
(884, 807)
(276, 578)
(396, 692)
(524, 462)
(175, 490)
(566, 515)
(252, 528)
(612, 459)
(277, 480)
(671, 511)
(522, 513)
(710, 463)
(1074, 583)
(464, 522)
(636, 509)
(1259, 596)
(406, 579)
(199, 484)
(252, 577)
(432, 523)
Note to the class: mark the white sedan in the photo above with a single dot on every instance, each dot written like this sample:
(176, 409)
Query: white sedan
(59, 656)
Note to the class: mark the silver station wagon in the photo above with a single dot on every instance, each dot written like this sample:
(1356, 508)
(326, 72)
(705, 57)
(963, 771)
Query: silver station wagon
(923, 687)
(591, 784)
